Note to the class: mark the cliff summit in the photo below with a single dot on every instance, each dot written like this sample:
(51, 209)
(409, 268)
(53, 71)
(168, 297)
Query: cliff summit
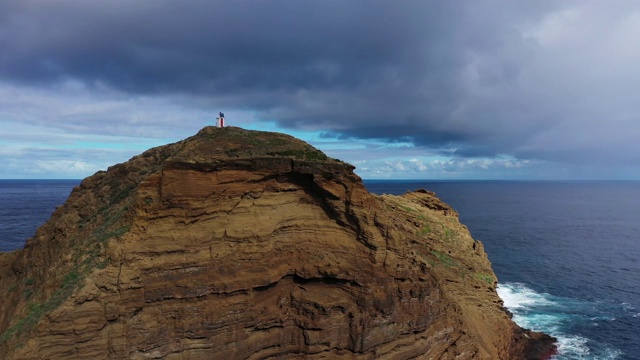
(237, 244)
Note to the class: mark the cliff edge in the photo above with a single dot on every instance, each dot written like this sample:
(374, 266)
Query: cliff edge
(236, 244)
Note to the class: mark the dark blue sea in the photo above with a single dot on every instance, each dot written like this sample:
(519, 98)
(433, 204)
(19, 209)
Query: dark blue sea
(567, 254)
(27, 204)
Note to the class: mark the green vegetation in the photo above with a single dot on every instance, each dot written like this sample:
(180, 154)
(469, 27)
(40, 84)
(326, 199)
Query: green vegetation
(407, 209)
(424, 231)
(307, 154)
(431, 262)
(237, 143)
(257, 139)
(35, 310)
(28, 291)
(87, 257)
(488, 278)
(426, 228)
(118, 196)
(26, 294)
(444, 259)
(232, 152)
(448, 234)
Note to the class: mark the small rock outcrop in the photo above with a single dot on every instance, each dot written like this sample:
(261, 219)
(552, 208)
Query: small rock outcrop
(236, 244)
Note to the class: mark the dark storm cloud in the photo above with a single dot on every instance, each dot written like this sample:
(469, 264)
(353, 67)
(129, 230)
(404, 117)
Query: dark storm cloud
(207, 46)
(531, 79)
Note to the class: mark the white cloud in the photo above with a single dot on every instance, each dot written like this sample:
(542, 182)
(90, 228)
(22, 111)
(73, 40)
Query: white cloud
(419, 165)
(71, 107)
(63, 166)
(449, 168)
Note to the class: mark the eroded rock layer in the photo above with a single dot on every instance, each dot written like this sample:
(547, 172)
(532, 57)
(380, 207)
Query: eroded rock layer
(238, 244)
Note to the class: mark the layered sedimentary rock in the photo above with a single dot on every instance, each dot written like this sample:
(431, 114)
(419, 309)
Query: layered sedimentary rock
(238, 244)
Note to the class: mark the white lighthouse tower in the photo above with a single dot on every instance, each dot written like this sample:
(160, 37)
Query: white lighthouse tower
(220, 120)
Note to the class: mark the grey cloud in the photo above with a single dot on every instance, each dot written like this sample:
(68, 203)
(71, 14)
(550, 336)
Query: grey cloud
(545, 80)
(147, 46)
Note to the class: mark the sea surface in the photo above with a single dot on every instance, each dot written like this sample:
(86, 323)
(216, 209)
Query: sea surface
(27, 204)
(567, 254)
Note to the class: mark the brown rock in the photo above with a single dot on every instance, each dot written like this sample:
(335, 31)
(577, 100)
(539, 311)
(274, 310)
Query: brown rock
(237, 244)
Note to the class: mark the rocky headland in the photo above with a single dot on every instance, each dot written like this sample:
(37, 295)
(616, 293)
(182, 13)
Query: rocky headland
(236, 244)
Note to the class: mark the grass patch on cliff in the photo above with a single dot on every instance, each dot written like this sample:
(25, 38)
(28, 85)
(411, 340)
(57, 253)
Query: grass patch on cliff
(233, 152)
(488, 278)
(36, 310)
(247, 140)
(449, 234)
(118, 195)
(444, 259)
(407, 209)
(87, 257)
(252, 143)
(311, 155)
(34, 314)
(26, 294)
(424, 231)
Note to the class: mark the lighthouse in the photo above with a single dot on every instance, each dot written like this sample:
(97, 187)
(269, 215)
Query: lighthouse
(220, 120)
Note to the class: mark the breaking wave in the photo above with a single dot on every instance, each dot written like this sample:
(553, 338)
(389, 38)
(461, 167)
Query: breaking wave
(563, 318)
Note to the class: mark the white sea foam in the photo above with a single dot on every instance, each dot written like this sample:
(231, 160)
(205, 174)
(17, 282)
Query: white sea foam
(518, 296)
(572, 345)
(631, 309)
(549, 314)
(628, 307)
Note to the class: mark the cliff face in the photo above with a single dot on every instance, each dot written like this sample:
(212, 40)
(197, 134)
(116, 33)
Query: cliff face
(238, 244)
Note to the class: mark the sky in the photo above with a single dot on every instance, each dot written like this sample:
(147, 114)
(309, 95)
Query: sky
(450, 90)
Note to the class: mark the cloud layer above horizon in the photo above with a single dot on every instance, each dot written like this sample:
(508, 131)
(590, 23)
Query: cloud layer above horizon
(423, 89)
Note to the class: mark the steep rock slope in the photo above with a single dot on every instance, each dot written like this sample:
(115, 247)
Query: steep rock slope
(238, 244)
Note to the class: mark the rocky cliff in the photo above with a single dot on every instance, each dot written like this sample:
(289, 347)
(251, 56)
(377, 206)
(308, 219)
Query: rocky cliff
(236, 244)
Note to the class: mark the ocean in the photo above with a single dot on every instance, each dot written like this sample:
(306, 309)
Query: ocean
(27, 204)
(567, 254)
